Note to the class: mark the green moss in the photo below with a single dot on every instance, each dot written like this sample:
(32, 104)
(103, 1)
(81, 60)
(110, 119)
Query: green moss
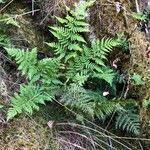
(28, 33)
(27, 133)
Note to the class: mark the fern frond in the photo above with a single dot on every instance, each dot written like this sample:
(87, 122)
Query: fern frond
(91, 62)
(104, 109)
(61, 20)
(4, 40)
(48, 69)
(69, 34)
(28, 99)
(27, 60)
(76, 98)
(88, 102)
(106, 74)
(77, 37)
(49, 66)
(128, 121)
(102, 47)
(75, 47)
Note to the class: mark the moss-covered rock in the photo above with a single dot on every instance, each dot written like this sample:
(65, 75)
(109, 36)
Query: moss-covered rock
(25, 133)
(26, 33)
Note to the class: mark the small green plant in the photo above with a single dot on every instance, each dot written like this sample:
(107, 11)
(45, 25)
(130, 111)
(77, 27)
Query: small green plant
(137, 79)
(64, 76)
(88, 103)
(42, 80)
(146, 102)
(139, 16)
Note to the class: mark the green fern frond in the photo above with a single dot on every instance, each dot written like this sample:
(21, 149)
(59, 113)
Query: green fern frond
(91, 62)
(77, 37)
(80, 79)
(75, 47)
(80, 11)
(4, 40)
(27, 60)
(28, 99)
(65, 75)
(88, 102)
(76, 98)
(104, 109)
(104, 46)
(58, 48)
(69, 34)
(106, 74)
(61, 20)
(128, 121)
(48, 69)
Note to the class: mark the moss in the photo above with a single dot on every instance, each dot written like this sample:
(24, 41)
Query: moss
(26, 133)
(107, 21)
(32, 132)
(28, 35)
(140, 63)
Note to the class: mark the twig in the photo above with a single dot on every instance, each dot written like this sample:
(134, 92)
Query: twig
(32, 7)
(110, 144)
(110, 120)
(82, 135)
(100, 133)
(140, 145)
(9, 60)
(15, 16)
(75, 145)
(104, 135)
(137, 6)
(6, 5)
(128, 86)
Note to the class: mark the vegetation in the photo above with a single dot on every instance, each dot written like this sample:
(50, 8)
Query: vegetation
(80, 75)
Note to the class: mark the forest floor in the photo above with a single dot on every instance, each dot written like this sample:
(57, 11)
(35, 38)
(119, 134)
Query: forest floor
(51, 128)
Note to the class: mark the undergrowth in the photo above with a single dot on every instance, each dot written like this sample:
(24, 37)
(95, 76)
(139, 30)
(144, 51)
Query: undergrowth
(65, 77)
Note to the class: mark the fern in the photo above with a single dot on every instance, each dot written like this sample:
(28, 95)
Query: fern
(82, 62)
(73, 60)
(63, 76)
(26, 100)
(48, 70)
(76, 98)
(4, 40)
(31, 67)
(42, 77)
(91, 62)
(69, 34)
(129, 121)
(88, 102)
(27, 60)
